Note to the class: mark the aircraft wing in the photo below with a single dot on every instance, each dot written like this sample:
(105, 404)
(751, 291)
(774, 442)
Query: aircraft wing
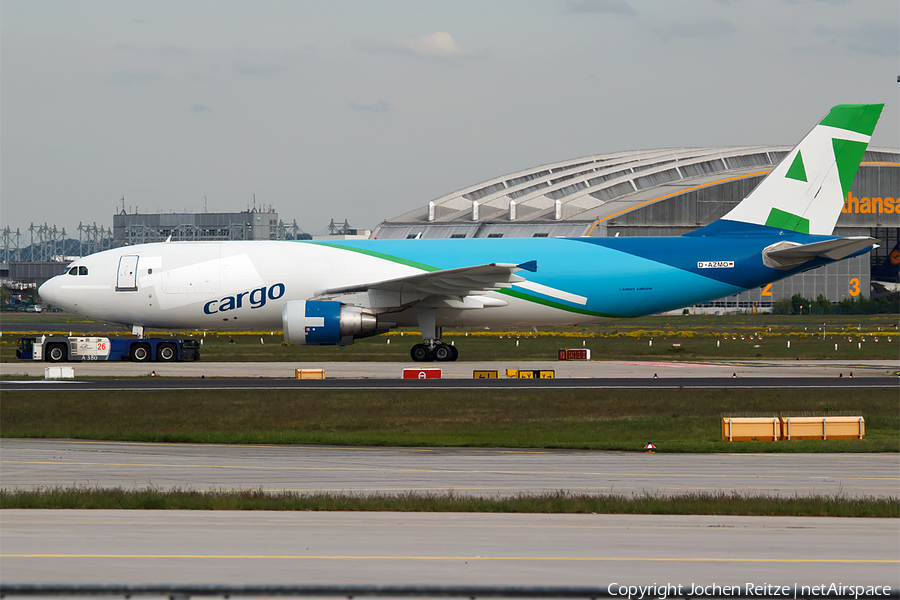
(438, 285)
(789, 256)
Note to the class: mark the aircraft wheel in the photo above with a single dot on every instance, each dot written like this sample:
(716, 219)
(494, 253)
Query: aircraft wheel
(455, 354)
(140, 353)
(166, 352)
(56, 353)
(443, 353)
(421, 353)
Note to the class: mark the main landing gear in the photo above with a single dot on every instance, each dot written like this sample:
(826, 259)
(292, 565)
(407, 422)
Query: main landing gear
(432, 348)
(436, 351)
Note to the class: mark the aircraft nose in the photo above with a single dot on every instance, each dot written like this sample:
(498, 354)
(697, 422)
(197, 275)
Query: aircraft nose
(48, 290)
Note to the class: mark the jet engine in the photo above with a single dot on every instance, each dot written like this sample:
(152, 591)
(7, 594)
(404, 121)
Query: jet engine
(326, 322)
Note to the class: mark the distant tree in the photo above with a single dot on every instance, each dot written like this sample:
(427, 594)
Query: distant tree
(825, 304)
(889, 304)
(797, 304)
(31, 296)
(781, 307)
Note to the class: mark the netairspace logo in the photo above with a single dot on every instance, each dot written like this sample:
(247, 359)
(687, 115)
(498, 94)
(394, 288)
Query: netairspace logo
(747, 590)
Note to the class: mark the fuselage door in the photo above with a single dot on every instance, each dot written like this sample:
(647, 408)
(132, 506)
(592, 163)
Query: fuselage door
(126, 280)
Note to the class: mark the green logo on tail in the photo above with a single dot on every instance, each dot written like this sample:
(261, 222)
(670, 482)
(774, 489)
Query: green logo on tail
(785, 220)
(797, 170)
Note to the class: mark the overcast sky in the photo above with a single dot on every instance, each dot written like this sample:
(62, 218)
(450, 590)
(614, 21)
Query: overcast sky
(367, 109)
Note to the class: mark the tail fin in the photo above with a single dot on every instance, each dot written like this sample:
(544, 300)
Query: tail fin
(806, 191)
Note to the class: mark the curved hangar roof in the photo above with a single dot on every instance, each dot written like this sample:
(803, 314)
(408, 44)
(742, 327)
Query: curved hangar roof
(584, 196)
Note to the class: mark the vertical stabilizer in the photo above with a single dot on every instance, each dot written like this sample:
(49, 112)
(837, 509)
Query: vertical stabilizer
(806, 191)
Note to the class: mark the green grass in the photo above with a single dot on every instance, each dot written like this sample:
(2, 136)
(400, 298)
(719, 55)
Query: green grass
(622, 339)
(550, 503)
(674, 420)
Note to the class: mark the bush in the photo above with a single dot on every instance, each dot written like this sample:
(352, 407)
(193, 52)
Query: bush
(782, 307)
(889, 304)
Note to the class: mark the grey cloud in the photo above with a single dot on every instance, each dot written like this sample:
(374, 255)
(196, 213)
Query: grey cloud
(380, 106)
(875, 39)
(703, 29)
(248, 62)
(615, 7)
(438, 45)
(256, 67)
(132, 77)
(200, 108)
(174, 51)
(833, 2)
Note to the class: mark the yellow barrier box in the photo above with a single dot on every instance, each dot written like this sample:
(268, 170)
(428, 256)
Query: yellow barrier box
(485, 374)
(512, 373)
(525, 375)
(823, 428)
(547, 374)
(743, 429)
(310, 373)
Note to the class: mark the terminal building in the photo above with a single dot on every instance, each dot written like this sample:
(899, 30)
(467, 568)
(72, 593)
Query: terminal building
(666, 192)
(252, 224)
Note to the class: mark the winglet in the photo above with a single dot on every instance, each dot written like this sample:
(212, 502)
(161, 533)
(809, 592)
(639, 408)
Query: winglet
(531, 265)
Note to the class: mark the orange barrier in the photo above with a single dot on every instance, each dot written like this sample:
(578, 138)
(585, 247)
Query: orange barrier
(823, 428)
(745, 429)
(309, 373)
(771, 429)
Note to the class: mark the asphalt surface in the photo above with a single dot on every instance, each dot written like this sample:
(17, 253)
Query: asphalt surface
(263, 547)
(368, 375)
(136, 547)
(29, 464)
(85, 385)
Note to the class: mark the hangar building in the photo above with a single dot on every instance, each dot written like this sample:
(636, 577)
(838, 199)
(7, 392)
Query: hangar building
(665, 192)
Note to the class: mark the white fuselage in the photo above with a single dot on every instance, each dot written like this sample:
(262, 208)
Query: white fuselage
(243, 285)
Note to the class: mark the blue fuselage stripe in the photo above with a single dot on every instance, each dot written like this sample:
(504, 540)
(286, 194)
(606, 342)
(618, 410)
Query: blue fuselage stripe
(625, 276)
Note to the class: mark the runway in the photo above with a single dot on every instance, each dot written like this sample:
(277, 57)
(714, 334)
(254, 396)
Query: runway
(816, 369)
(102, 546)
(159, 385)
(367, 375)
(263, 547)
(30, 464)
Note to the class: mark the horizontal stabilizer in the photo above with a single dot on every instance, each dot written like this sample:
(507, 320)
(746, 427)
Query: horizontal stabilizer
(531, 265)
(787, 255)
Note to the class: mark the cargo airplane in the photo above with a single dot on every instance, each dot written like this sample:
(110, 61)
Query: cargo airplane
(325, 293)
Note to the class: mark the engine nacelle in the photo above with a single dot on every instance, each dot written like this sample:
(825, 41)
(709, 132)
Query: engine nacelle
(326, 322)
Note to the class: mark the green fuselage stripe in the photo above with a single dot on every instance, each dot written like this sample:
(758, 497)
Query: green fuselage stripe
(557, 305)
(381, 255)
(431, 269)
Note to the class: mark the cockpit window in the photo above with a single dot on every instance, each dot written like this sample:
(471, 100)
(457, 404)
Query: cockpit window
(73, 271)
(82, 270)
